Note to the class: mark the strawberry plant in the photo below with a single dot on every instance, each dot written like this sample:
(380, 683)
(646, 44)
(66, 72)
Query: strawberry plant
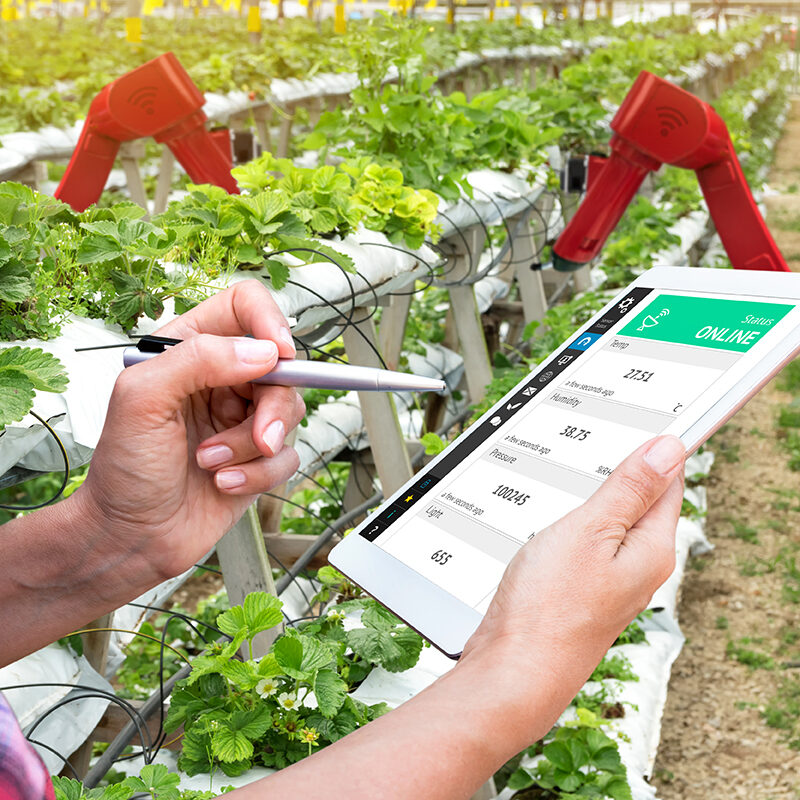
(154, 782)
(335, 200)
(275, 711)
(577, 760)
(434, 139)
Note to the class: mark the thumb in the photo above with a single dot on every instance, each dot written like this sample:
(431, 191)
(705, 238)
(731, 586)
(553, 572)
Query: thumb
(201, 362)
(635, 485)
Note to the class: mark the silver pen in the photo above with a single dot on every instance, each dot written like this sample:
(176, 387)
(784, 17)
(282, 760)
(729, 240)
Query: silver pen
(309, 374)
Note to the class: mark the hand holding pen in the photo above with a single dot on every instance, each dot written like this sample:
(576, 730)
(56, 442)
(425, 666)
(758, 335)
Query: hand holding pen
(309, 374)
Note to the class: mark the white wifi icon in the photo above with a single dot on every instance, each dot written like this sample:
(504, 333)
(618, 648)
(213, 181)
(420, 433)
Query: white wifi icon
(144, 98)
(670, 119)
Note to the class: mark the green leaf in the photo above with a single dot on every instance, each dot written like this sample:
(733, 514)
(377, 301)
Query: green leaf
(343, 723)
(328, 576)
(16, 283)
(378, 617)
(324, 253)
(259, 612)
(330, 691)
(288, 652)
(396, 649)
(607, 758)
(323, 220)
(42, 369)
(569, 782)
(116, 791)
(262, 209)
(301, 656)
(434, 444)
(124, 282)
(520, 779)
(16, 396)
(232, 745)
(618, 789)
(269, 667)
(240, 673)
(248, 254)
(235, 768)
(291, 225)
(104, 227)
(156, 780)
(559, 754)
(262, 611)
(194, 747)
(127, 210)
(206, 665)
(99, 249)
(67, 788)
(278, 273)
(253, 723)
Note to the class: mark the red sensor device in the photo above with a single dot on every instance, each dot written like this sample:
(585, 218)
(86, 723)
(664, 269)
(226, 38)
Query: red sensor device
(158, 99)
(660, 123)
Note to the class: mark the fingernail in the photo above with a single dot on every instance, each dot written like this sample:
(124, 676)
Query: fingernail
(665, 454)
(286, 336)
(274, 436)
(209, 457)
(255, 351)
(229, 478)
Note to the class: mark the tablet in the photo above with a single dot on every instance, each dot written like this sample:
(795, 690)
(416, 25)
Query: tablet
(678, 351)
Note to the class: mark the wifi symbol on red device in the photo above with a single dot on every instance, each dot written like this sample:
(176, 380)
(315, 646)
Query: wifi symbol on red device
(670, 119)
(144, 98)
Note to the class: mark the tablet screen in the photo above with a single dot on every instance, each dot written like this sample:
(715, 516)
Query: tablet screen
(651, 364)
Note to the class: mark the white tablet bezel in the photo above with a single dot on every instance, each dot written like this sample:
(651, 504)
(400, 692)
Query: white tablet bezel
(443, 619)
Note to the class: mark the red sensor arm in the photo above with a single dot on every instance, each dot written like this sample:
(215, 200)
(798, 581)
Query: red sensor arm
(157, 99)
(660, 123)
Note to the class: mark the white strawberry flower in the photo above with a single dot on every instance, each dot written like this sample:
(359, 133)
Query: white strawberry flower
(288, 700)
(266, 687)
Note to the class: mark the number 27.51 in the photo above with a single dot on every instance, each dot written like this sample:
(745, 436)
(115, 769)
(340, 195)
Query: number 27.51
(638, 375)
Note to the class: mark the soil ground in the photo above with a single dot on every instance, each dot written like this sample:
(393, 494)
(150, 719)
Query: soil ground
(715, 742)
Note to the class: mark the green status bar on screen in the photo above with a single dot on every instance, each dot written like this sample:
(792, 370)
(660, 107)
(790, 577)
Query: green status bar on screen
(706, 322)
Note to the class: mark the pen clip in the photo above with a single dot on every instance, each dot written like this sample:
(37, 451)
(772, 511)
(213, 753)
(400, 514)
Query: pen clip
(155, 344)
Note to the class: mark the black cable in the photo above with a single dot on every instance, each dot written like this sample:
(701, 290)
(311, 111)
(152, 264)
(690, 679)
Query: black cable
(349, 320)
(115, 748)
(186, 618)
(55, 752)
(208, 569)
(295, 581)
(90, 691)
(337, 498)
(64, 480)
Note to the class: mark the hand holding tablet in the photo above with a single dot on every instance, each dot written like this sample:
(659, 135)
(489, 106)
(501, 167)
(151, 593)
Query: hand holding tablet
(677, 352)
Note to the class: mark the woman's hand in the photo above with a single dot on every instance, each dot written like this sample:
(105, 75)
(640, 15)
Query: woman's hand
(577, 584)
(188, 442)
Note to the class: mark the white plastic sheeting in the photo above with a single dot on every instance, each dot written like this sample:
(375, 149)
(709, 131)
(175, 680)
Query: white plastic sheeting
(496, 195)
